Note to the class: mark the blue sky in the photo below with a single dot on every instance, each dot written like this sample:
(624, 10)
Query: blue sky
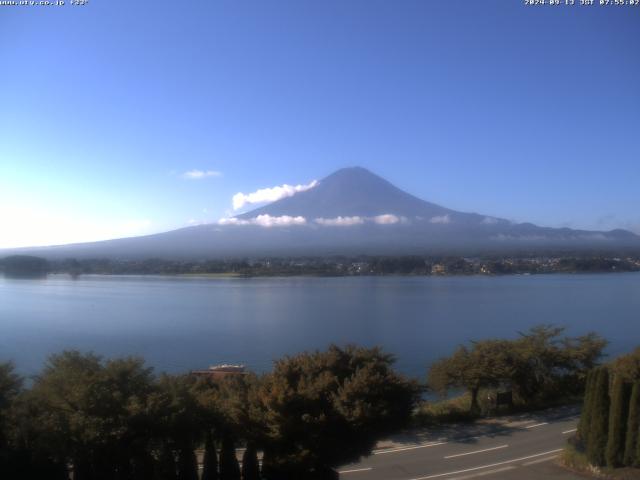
(526, 113)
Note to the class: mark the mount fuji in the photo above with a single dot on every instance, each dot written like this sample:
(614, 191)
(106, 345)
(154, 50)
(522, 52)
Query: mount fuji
(350, 212)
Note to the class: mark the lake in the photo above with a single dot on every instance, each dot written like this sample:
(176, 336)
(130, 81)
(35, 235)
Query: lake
(183, 323)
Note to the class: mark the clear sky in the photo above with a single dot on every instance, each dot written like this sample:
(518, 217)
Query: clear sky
(530, 113)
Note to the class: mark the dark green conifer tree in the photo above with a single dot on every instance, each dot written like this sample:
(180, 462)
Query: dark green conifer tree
(585, 417)
(618, 416)
(142, 466)
(637, 459)
(597, 440)
(166, 466)
(268, 470)
(633, 428)
(187, 464)
(250, 466)
(210, 461)
(229, 468)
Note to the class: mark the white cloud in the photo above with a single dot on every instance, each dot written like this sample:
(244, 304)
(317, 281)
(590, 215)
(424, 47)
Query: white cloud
(233, 221)
(489, 220)
(200, 174)
(283, 221)
(386, 219)
(269, 194)
(286, 220)
(265, 221)
(340, 221)
(443, 219)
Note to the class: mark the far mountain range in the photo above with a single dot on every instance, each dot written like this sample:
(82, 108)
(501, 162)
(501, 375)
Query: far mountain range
(350, 212)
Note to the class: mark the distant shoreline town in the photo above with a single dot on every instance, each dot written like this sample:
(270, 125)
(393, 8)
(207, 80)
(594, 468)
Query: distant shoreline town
(338, 266)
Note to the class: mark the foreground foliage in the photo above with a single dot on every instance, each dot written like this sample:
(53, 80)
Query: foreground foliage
(538, 367)
(609, 427)
(116, 420)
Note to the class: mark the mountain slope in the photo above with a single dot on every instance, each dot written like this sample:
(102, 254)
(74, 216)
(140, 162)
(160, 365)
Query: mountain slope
(350, 212)
(351, 191)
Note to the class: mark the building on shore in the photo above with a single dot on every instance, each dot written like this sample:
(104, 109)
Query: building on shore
(216, 372)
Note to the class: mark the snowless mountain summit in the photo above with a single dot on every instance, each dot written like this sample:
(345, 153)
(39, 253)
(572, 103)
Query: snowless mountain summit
(350, 212)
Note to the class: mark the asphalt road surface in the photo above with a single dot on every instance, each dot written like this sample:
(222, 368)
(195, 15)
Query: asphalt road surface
(521, 448)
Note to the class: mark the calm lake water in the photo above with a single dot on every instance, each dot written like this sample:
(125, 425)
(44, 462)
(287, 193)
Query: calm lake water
(179, 324)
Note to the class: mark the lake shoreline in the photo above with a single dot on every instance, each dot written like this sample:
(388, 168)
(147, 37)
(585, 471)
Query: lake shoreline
(232, 275)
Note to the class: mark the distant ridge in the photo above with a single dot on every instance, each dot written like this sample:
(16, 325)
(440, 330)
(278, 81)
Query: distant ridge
(350, 212)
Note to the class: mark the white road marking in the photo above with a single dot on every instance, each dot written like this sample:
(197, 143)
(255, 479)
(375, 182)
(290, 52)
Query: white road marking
(437, 475)
(355, 470)
(402, 449)
(477, 451)
(540, 460)
(484, 474)
(537, 425)
(570, 431)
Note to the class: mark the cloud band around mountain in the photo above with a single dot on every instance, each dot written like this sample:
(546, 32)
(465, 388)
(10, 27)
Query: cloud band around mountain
(441, 219)
(265, 221)
(340, 221)
(287, 220)
(269, 194)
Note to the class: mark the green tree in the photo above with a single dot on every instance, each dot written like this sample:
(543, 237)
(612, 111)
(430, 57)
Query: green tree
(210, 460)
(93, 413)
(540, 362)
(551, 366)
(10, 387)
(489, 363)
(25, 266)
(187, 464)
(633, 427)
(539, 365)
(628, 366)
(584, 424)
(250, 466)
(324, 409)
(618, 413)
(598, 430)
(180, 414)
(229, 468)
(166, 468)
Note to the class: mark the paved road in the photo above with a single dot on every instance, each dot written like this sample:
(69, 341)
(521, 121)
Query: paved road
(522, 448)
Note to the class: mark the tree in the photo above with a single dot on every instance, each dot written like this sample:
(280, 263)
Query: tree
(250, 466)
(210, 460)
(581, 355)
(94, 413)
(166, 466)
(324, 409)
(229, 468)
(538, 366)
(187, 464)
(598, 430)
(618, 413)
(10, 387)
(234, 413)
(628, 366)
(24, 266)
(633, 428)
(487, 364)
(180, 417)
(584, 424)
(540, 362)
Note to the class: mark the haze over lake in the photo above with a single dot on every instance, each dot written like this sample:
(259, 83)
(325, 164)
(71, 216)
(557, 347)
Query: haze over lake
(181, 323)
